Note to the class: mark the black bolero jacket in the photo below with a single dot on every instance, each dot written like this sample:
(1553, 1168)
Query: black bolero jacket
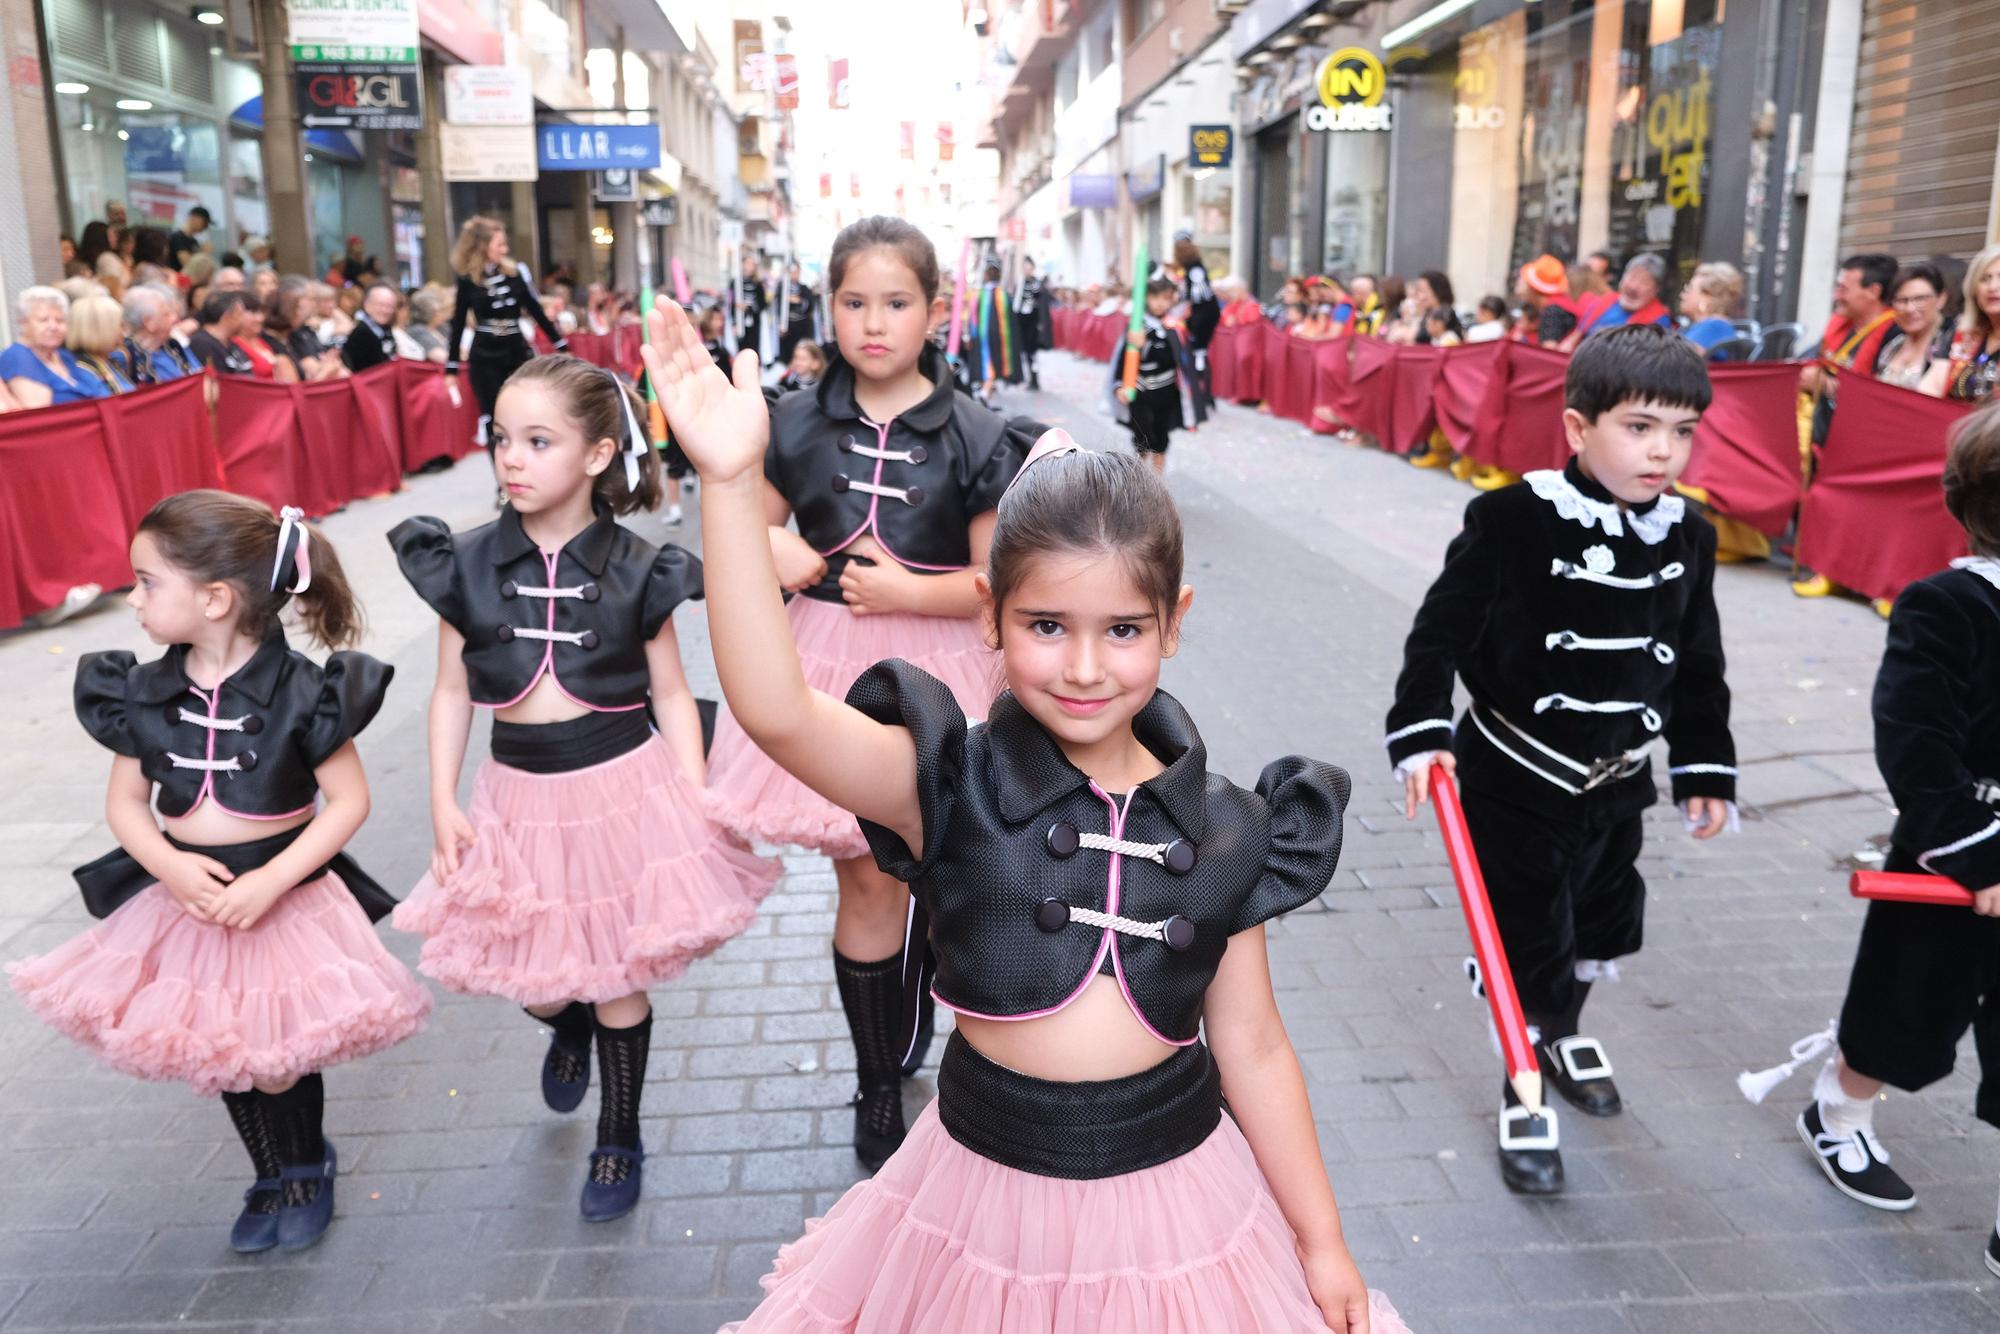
(252, 744)
(613, 591)
(916, 484)
(1001, 869)
(1583, 634)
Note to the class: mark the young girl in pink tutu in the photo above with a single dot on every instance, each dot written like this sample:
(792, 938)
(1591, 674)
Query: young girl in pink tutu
(584, 871)
(892, 476)
(236, 951)
(1095, 898)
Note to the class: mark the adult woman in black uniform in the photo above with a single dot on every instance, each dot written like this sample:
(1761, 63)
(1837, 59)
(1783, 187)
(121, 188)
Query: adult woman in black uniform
(494, 293)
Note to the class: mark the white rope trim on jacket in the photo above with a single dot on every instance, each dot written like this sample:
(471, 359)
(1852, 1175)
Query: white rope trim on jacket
(1571, 570)
(1429, 724)
(1959, 845)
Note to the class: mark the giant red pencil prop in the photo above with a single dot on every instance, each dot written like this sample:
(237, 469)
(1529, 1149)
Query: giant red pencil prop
(1523, 1072)
(1899, 887)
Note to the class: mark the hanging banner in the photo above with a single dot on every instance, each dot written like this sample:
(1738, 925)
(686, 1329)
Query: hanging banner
(836, 84)
(854, 184)
(562, 147)
(909, 133)
(826, 185)
(488, 152)
(1211, 145)
(946, 136)
(785, 71)
(749, 53)
(488, 95)
(380, 31)
(350, 96)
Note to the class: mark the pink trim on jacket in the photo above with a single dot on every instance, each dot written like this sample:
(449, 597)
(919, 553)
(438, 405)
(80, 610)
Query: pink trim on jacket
(210, 703)
(548, 663)
(872, 523)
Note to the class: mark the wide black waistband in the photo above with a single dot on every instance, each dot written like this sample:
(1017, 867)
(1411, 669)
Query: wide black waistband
(1078, 1131)
(578, 743)
(115, 877)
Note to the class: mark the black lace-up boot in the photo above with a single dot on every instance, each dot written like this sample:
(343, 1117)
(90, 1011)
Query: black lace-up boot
(612, 1188)
(872, 996)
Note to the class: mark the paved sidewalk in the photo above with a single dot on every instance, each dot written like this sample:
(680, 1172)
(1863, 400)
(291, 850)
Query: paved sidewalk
(1693, 1211)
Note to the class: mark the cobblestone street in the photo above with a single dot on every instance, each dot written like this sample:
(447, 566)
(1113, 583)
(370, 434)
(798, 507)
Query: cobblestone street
(1694, 1211)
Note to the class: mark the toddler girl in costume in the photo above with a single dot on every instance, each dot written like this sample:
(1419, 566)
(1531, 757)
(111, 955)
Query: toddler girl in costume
(585, 871)
(1095, 898)
(235, 952)
(893, 477)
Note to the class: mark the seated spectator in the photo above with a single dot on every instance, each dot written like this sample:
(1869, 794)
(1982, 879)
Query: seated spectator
(1708, 300)
(1431, 291)
(150, 354)
(1970, 373)
(66, 253)
(1548, 312)
(289, 319)
(1860, 324)
(373, 341)
(268, 358)
(332, 320)
(353, 266)
(221, 319)
(429, 309)
(1391, 295)
(1916, 303)
(1441, 327)
(1489, 323)
(1291, 316)
(96, 330)
(1637, 300)
(96, 242)
(229, 278)
(113, 275)
(149, 246)
(76, 289)
(263, 286)
(1238, 307)
(257, 252)
(38, 369)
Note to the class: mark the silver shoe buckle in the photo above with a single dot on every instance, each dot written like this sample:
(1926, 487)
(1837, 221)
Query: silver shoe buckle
(1596, 1065)
(1521, 1129)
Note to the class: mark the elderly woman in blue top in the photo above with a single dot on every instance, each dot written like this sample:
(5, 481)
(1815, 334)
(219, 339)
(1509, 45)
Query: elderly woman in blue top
(150, 354)
(38, 368)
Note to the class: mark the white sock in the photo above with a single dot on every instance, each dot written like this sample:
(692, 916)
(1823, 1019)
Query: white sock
(1840, 1114)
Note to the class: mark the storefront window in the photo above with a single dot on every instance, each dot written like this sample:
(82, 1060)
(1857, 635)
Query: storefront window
(160, 164)
(246, 186)
(1357, 202)
(1588, 126)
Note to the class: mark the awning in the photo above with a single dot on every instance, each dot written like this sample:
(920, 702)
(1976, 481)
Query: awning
(333, 143)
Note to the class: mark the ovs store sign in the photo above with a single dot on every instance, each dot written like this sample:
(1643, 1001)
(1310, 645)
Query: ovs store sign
(1351, 85)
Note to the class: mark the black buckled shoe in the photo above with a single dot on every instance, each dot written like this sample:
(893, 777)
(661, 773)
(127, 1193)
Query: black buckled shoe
(1581, 1072)
(612, 1188)
(878, 1124)
(1857, 1165)
(565, 1076)
(256, 1227)
(1530, 1149)
(300, 1225)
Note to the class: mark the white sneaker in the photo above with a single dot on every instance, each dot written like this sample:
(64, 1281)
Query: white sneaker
(73, 602)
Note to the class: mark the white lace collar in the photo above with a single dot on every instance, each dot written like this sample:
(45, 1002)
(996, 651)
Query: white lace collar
(1651, 526)
(1986, 567)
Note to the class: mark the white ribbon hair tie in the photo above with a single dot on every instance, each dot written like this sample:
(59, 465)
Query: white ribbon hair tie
(293, 519)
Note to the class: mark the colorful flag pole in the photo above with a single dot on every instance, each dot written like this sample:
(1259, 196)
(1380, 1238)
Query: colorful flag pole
(958, 302)
(656, 416)
(683, 289)
(1899, 887)
(1142, 271)
(1523, 1072)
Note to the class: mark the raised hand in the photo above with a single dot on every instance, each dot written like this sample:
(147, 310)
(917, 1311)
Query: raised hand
(722, 426)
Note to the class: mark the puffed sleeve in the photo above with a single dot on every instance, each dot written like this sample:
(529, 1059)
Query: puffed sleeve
(674, 578)
(102, 680)
(991, 474)
(429, 561)
(350, 694)
(895, 693)
(1307, 800)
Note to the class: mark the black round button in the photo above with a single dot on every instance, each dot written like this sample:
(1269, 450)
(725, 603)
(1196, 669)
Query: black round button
(914, 496)
(840, 481)
(247, 761)
(1052, 914)
(1180, 856)
(589, 639)
(1063, 841)
(253, 724)
(918, 453)
(847, 444)
(504, 633)
(590, 592)
(172, 713)
(508, 588)
(1178, 932)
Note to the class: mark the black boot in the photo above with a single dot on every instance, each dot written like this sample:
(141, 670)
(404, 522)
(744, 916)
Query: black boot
(1530, 1153)
(612, 1188)
(1576, 1066)
(566, 1067)
(256, 1227)
(298, 1116)
(872, 996)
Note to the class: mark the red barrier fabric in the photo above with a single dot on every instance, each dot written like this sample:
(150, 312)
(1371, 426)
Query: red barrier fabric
(329, 427)
(376, 449)
(1288, 378)
(432, 426)
(159, 444)
(1522, 429)
(1412, 410)
(62, 521)
(1372, 384)
(1332, 367)
(1746, 452)
(258, 442)
(1874, 518)
(1466, 376)
(1250, 344)
(1224, 363)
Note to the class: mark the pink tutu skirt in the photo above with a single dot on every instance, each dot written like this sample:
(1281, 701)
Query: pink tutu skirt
(750, 794)
(586, 885)
(943, 1241)
(157, 994)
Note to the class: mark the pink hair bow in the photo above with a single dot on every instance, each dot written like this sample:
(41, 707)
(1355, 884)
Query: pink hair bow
(1054, 442)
